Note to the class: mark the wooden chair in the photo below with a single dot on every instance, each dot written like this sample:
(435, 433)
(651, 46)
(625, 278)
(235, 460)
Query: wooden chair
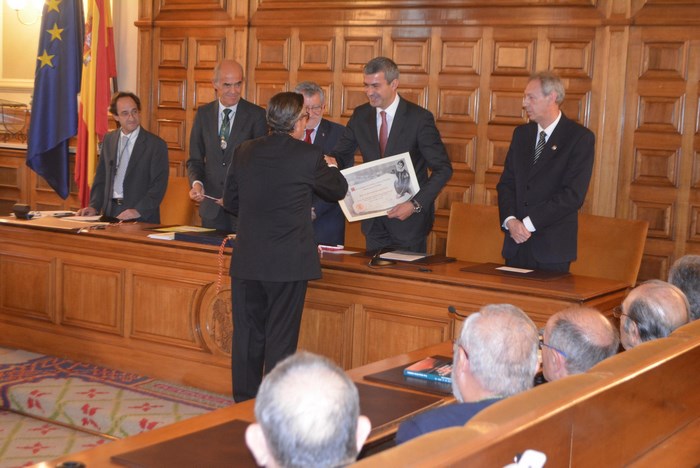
(474, 233)
(610, 247)
(176, 207)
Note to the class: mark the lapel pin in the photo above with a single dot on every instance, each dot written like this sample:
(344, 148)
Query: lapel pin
(554, 147)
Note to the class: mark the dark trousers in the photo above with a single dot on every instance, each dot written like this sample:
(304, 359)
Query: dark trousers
(379, 237)
(266, 322)
(524, 259)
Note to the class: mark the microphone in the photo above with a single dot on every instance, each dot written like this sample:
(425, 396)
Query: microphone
(451, 309)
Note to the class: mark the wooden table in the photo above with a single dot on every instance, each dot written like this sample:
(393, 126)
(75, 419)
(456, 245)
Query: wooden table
(101, 456)
(114, 297)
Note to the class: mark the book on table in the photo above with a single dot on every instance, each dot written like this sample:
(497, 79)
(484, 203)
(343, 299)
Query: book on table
(432, 368)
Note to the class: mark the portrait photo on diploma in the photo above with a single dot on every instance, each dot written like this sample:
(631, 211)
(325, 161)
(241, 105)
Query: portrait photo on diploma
(377, 186)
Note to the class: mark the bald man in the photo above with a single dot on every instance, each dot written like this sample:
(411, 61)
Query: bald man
(219, 127)
(574, 340)
(308, 413)
(652, 310)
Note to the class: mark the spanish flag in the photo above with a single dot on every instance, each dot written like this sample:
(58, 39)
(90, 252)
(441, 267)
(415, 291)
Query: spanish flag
(99, 65)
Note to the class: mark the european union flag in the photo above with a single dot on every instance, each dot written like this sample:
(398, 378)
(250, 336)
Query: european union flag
(56, 86)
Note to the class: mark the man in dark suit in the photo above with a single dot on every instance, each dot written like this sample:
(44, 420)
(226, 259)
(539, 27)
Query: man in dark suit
(132, 173)
(269, 188)
(539, 197)
(328, 218)
(408, 128)
(218, 128)
(495, 357)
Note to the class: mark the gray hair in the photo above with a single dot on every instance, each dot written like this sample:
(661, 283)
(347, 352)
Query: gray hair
(217, 69)
(382, 64)
(585, 336)
(284, 110)
(551, 83)
(685, 274)
(501, 342)
(653, 310)
(309, 88)
(308, 410)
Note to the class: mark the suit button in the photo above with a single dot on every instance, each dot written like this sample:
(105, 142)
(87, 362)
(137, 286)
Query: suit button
(526, 204)
(223, 163)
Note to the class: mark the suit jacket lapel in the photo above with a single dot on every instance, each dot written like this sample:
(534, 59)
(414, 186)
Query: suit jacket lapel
(321, 134)
(551, 148)
(371, 123)
(136, 154)
(397, 127)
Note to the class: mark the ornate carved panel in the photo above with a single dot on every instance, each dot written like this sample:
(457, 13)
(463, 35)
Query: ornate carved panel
(93, 298)
(215, 321)
(656, 167)
(208, 52)
(352, 96)
(506, 107)
(27, 287)
(157, 311)
(659, 215)
(460, 57)
(462, 151)
(664, 60)
(9, 176)
(359, 51)
(173, 132)
(576, 107)
(654, 266)
(272, 54)
(457, 105)
(660, 113)
(171, 94)
(416, 95)
(173, 53)
(317, 55)
(204, 93)
(496, 156)
(571, 58)
(411, 55)
(513, 57)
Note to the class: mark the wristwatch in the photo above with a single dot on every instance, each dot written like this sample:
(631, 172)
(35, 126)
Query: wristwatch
(416, 206)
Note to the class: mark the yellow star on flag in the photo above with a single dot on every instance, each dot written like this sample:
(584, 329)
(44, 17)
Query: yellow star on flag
(45, 59)
(55, 32)
(53, 5)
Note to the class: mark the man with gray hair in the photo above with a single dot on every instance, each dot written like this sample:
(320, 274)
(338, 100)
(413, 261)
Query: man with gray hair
(308, 413)
(494, 357)
(650, 311)
(574, 340)
(544, 180)
(328, 218)
(685, 274)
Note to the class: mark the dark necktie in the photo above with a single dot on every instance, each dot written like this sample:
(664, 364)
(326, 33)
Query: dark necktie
(225, 125)
(539, 147)
(307, 138)
(383, 134)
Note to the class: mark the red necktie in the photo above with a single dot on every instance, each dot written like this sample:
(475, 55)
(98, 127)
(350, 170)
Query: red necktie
(383, 134)
(307, 138)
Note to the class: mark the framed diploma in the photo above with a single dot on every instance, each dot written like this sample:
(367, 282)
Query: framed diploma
(376, 187)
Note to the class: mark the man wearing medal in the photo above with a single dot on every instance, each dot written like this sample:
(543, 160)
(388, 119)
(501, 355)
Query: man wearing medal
(219, 127)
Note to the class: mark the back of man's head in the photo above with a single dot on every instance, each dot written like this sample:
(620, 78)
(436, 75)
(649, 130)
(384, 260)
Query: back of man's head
(650, 311)
(500, 342)
(685, 274)
(308, 414)
(575, 340)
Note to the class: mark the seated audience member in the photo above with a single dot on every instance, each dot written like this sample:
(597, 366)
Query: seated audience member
(574, 340)
(494, 357)
(685, 274)
(651, 310)
(308, 413)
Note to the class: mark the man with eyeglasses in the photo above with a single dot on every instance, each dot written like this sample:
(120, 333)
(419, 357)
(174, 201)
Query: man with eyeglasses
(219, 127)
(650, 311)
(574, 340)
(132, 173)
(328, 218)
(269, 189)
(495, 357)
(685, 274)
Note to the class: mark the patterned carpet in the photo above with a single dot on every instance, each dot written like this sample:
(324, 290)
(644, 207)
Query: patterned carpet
(95, 403)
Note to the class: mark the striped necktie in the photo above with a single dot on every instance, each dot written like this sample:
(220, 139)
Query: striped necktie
(539, 147)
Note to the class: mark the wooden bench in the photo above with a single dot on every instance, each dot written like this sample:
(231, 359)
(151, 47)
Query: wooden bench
(643, 404)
